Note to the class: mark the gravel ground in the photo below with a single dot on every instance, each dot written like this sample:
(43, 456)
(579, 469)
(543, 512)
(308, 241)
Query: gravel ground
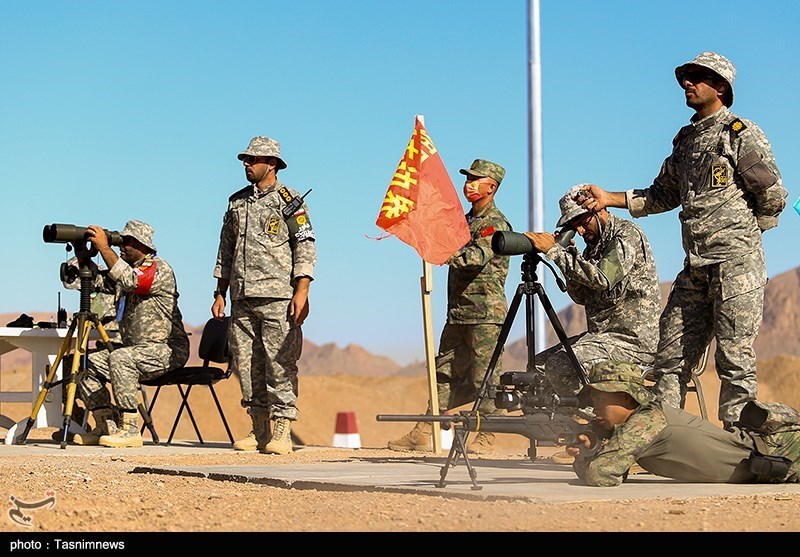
(97, 493)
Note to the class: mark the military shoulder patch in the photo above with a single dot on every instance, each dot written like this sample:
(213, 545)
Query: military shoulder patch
(737, 126)
(488, 231)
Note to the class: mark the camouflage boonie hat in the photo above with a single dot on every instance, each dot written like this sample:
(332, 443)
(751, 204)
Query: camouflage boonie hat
(140, 231)
(569, 208)
(613, 376)
(261, 146)
(485, 169)
(718, 64)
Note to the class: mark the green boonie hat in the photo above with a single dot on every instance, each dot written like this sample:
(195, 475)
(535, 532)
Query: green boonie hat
(569, 208)
(718, 64)
(613, 376)
(485, 169)
(140, 231)
(261, 146)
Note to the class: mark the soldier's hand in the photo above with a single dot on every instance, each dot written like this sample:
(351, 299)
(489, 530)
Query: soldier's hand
(542, 241)
(574, 449)
(97, 236)
(596, 198)
(218, 309)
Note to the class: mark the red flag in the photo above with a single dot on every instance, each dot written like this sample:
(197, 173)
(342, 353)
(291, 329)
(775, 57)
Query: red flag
(422, 207)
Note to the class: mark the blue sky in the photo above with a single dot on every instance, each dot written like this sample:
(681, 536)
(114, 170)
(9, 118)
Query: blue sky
(111, 111)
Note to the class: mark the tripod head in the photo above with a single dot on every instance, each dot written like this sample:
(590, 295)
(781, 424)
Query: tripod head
(86, 271)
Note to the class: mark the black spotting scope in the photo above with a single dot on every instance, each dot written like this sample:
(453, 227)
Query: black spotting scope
(506, 242)
(65, 233)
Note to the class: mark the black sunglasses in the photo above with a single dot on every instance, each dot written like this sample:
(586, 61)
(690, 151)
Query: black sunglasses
(696, 76)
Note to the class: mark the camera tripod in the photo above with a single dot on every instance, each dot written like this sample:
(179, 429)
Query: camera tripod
(80, 329)
(528, 288)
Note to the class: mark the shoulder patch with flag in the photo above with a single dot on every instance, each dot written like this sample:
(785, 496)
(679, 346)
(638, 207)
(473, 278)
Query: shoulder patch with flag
(421, 206)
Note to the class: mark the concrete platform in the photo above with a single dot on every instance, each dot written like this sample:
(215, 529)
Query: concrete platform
(494, 479)
(506, 479)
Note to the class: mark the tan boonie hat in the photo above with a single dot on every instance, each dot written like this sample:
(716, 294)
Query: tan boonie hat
(569, 207)
(139, 231)
(613, 376)
(261, 146)
(718, 64)
(485, 169)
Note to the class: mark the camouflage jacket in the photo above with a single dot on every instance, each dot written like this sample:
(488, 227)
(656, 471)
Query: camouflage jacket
(147, 298)
(617, 283)
(476, 279)
(673, 443)
(723, 173)
(261, 251)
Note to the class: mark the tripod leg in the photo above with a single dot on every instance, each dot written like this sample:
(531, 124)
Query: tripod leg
(498, 348)
(81, 344)
(46, 385)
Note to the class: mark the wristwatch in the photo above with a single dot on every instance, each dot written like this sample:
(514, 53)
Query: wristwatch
(219, 293)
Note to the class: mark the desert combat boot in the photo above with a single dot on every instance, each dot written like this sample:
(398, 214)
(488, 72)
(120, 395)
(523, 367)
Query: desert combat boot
(104, 424)
(281, 442)
(127, 434)
(482, 444)
(418, 439)
(258, 437)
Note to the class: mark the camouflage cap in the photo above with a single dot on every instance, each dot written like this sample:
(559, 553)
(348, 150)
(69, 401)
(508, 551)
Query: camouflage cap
(485, 169)
(613, 376)
(569, 207)
(261, 146)
(718, 64)
(139, 231)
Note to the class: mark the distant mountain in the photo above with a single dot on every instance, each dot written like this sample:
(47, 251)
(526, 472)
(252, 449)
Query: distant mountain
(779, 336)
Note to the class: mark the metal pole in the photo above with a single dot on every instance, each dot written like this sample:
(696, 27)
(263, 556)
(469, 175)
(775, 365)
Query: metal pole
(536, 180)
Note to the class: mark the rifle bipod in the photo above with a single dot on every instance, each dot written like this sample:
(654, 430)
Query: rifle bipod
(459, 447)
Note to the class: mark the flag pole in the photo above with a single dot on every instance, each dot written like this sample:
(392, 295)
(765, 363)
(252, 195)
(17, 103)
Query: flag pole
(536, 180)
(426, 284)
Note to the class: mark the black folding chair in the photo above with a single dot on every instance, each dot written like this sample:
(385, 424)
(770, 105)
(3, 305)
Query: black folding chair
(213, 349)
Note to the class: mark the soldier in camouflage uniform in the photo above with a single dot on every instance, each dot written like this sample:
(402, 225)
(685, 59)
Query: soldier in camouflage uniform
(476, 309)
(616, 282)
(633, 427)
(151, 329)
(266, 255)
(723, 174)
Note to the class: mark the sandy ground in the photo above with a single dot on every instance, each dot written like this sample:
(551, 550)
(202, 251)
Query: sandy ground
(99, 494)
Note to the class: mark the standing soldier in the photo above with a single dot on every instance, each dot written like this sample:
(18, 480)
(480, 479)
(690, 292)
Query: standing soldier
(723, 174)
(476, 310)
(267, 256)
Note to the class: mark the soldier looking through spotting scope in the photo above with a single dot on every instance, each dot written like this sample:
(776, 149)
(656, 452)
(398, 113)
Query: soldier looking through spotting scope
(151, 330)
(615, 280)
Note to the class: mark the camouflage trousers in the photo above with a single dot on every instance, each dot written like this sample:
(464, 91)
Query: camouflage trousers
(124, 368)
(465, 352)
(701, 306)
(561, 373)
(265, 346)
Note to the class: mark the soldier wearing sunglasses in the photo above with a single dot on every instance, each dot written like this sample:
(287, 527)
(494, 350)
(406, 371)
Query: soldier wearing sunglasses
(723, 175)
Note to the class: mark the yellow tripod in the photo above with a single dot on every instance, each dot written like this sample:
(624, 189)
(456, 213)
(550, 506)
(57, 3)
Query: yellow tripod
(82, 323)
